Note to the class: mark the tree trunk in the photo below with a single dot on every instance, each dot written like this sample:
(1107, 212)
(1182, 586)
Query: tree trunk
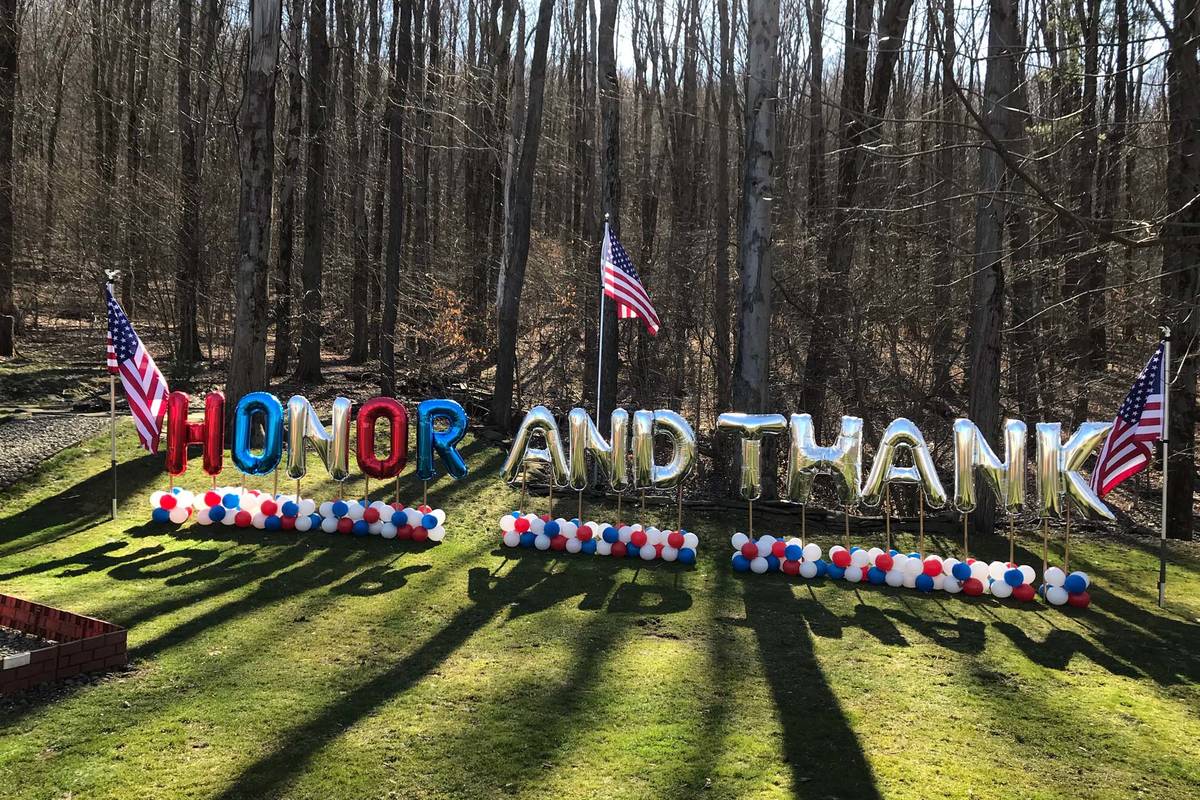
(187, 265)
(816, 108)
(1181, 261)
(610, 201)
(256, 155)
(987, 285)
(722, 361)
(751, 368)
(397, 96)
(356, 143)
(519, 214)
(9, 46)
(287, 195)
(308, 369)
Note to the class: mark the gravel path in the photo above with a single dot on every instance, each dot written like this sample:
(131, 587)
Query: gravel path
(25, 443)
(13, 642)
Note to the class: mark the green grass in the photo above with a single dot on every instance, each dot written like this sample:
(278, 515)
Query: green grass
(314, 666)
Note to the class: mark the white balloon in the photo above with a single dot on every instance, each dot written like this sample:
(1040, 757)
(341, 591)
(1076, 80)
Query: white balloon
(669, 553)
(542, 542)
(329, 524)
(355, 511)
(939, 582)
(912, 568)
(854, 574)
(899, 562)
(948, 566)
(508, 523)
(229, 517)
(603, 548)
(413, 517)
(812, 552)
(894, 578)
(996, 570)
(837, 548)
(259, 520)
(860, 559)
(623, 534)
(758, 565)
(326, 509)
(179, 515)
(1001, 589)
(437, 534)
(1027, 573)
(303, 524)
(808, 569)
(568, 529)
(691, 540)
(203, 518)
(1055, 577)
(574, 545)
(440, 515)
(512, 538)
(307, 507)
(538, 526)
(910, 578)
(387, 530)
(156, 499)
(873, 554)
(949, 584)
(185, 498)
(655, 536)
(1057, 595)
(795, 541)
(764, 547)
(647, 553)
(979, 571)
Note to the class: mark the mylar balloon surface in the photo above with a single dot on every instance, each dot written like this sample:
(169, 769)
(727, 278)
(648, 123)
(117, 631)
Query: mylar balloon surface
(523, 457)
(396, 414)
(444, 442)
(332, 445)
(752, 428)
(268, 407)
(806, 460)
(902, 434)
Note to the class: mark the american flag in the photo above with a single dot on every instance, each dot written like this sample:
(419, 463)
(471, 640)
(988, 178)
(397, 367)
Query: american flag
(1139, 424)
(623, 284)
(145, 386)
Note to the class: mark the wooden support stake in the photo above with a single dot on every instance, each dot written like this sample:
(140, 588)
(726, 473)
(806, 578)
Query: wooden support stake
(679, 507)
(966, 548)
(921, 524)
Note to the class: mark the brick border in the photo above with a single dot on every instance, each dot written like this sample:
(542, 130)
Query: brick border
(84, 644)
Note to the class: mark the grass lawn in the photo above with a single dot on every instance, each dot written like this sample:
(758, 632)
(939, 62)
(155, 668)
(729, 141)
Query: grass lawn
(315, 666)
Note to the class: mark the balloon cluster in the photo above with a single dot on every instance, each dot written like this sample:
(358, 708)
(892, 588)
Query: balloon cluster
(876, 566)
(1061, 589)
(598, 538)
(250, 508)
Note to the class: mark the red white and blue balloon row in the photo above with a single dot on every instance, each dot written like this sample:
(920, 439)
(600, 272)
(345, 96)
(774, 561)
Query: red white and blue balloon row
(597, 538)
(932, 573)
(249, 508)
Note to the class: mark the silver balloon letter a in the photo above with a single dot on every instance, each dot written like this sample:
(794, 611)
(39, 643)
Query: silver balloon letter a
(903, 434)
(524, 459)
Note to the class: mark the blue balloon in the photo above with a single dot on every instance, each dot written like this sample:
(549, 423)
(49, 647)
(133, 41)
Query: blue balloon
(160, 515)
(1013, 577)
(610, 535)
(550, 530)
(361, 528)
(516, 515)
(399, 518)
(1075, 583)
(893, 552)
(527, 538)
(430, 440)
(272, 523)
(632, 550)
(924, 583)
(248, 408)
(835, 572)
(740, 562)
(961, 571)
(339, 508)
(316, 521)
(216, 513)
(914, 555)
(855, 549)
(822, 567)
(176, 489)
(291, 508)
(688, 556)
(575, 521)
(772, 563)
(429, 522)
(230, 500)
(875, 575)
(793, 552)
(588, 547)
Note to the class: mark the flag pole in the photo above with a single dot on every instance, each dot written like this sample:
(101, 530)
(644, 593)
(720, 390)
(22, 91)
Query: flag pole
(110, 276)
(600, 348)
(1166, 428)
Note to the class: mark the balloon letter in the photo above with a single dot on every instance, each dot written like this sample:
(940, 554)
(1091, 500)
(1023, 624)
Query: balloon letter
(612, 456)
(333, 446)
(429, 439)
(248, 407)
(1058, 468)
(397, 416)
(806, 461)
(903, 434)
(209, 434)
(646, 425)
(1005, 478)
(523, 459)
(753, 427)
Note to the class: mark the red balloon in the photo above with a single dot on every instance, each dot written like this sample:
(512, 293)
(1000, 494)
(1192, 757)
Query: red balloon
(404, 533)
(209, 434)
(370, 514)
(932, 568)
(419, 534)
(750, 550)
(521, 525)
(211, 498)
(1025, 592)
(583, 533)
(972, 587)
(242, 519)
(618, 549)
(368, 416)
(884, 562)
(168, 501)
(558, 543)
(675, 539)
(345, 525)
(288, 523)
(658, 548)
(790, 567)
(269, 507)
(778, 549)
(426, 510)
(638, 538)
(841, 558)
(1079, 600)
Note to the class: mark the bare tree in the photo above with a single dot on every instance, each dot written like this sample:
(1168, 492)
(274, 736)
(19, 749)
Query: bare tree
(284, 254)
(9, 44)
(397, 95)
